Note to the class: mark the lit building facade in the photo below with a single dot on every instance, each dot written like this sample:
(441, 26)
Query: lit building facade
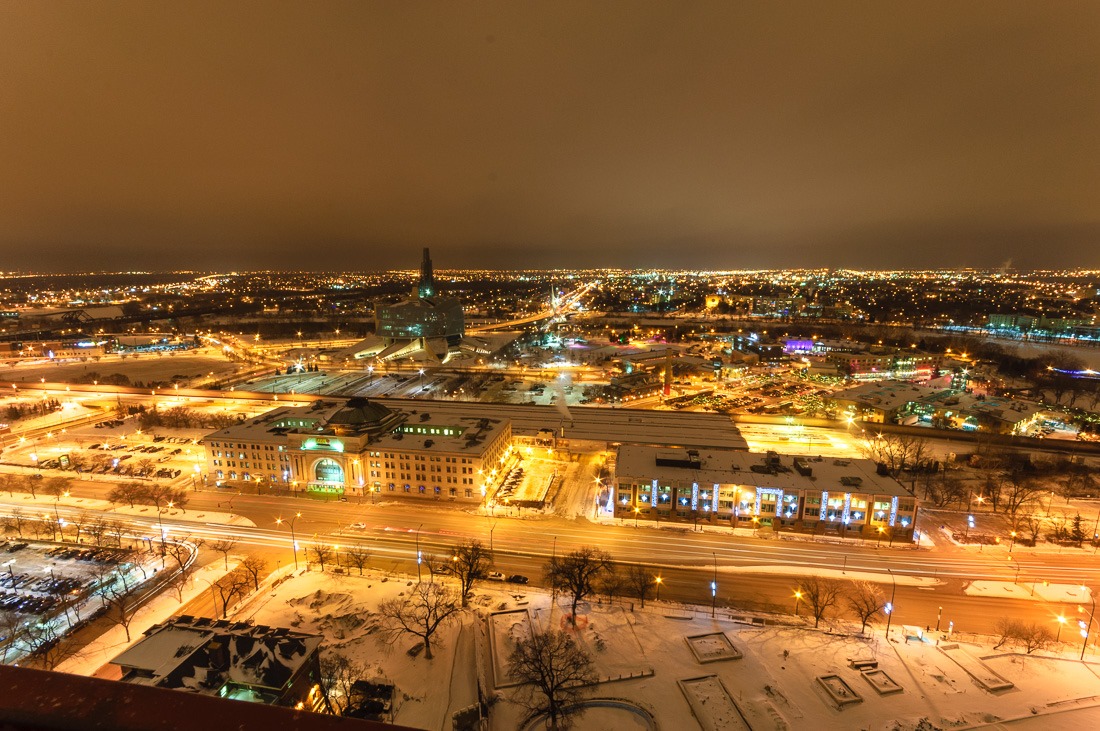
(813, 495)
(423, 315)
(359, 447)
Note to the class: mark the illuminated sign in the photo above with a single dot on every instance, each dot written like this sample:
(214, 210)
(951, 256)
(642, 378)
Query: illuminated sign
(333, 445)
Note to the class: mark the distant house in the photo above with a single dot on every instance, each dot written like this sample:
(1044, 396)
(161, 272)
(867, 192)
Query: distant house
(234, 660)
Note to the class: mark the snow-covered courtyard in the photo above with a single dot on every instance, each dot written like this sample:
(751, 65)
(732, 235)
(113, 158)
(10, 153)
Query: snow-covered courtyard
(780, 675)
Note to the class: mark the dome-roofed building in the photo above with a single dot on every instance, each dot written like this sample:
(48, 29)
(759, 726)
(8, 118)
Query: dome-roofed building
(364, 418)
(357, 446)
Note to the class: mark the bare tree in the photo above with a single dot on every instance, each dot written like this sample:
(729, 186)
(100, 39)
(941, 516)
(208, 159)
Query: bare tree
(79, 522)
(181, 580)
(1020, 491)
(1006, 629)
(1080, 482)
(95, 528)
(357, 556)
(438, 564)
(639, 581)
(12, 629)
(820, 595)
(179, 550)
(116, 529)
(30, 484)
(1034, 636)
(554, 671)
(421, 613)
(46, 644)
(122, 605)
(229, 586)
(224, 546)
(472, 561)
(145, 465)
(320, 553)
(611, 582)
(897, 452)
(127, 492)
(55, 487)
(338, 675)
(19, 520)
(575, 573)
(866, 601)
(254, 565)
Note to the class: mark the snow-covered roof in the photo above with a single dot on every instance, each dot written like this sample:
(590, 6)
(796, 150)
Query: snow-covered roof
(203, 655)
(729, 467)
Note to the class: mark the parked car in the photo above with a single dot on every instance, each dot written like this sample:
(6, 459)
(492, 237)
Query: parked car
(517, 579)
(495, 576)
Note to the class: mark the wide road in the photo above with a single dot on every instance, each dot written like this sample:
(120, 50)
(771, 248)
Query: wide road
(684, 559)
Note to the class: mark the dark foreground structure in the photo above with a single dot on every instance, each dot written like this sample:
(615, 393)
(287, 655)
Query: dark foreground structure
(36, 700)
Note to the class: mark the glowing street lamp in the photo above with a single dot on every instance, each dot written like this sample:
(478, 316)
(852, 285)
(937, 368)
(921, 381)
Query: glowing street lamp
(418, 556)
(1086, 628)
(293, 539)
(658, 580)
(714, 587)
(1061, 619)
(797, 599)
(890, 604)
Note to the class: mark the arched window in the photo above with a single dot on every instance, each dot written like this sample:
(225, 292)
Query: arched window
(328, 470)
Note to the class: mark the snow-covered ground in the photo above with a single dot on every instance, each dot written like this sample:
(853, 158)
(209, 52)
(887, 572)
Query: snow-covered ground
(650, 651)
(45, 502)
(93, 657)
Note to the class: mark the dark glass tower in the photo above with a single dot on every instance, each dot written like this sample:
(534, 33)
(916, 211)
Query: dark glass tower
(426, 288)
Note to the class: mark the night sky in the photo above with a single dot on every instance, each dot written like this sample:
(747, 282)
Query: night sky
(329, 135)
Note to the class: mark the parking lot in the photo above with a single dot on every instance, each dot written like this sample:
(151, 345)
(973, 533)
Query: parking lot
(115, 448)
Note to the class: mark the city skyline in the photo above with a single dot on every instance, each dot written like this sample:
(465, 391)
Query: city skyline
(716, 137)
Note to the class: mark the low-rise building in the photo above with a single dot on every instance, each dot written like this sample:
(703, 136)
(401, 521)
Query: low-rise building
(887, 402)
(235, 660)
(883, 402)
(764, 491)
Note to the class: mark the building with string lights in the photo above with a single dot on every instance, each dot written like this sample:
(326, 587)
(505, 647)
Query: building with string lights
(846, 497)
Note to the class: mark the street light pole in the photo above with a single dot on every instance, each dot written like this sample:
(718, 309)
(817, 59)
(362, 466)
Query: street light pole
(714, 587)
(890, 606)
(293, 538)
(1087, 628)
(797, 599)
(657, 581)
(418, 576)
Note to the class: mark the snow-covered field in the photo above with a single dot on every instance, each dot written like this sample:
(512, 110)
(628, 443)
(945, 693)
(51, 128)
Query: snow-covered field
(765, 688)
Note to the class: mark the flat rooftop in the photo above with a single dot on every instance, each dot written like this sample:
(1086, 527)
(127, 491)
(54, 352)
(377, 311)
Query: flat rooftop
(743, 468)
(425, 426)
(622, 426)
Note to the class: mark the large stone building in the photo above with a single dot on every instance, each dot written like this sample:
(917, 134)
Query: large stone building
(357, 447)
(847, 497)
